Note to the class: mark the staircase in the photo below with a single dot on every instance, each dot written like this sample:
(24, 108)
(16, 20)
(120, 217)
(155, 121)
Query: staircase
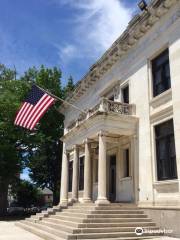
(88, 221)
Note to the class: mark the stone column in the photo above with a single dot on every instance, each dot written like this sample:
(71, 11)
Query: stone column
(102, 172)
(75, 175)
(64, 178)
(87, 173)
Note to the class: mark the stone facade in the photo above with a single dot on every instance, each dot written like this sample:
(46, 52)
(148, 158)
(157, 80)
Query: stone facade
(113, 134)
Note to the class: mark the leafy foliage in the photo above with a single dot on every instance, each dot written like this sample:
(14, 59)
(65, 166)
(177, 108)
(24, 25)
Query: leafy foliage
(40, 150)
(27, 194)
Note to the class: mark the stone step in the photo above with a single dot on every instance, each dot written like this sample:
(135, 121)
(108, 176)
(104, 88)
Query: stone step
(109, 235)
(112, 229)
(83, 204)
(98, 225)
(117, 216)
(85, 215)
(109, 207)
(104, 207)
(79, 219)
(33, 219)
(125, 238)
(60, 233)
(116, 220)
(60, 226)
(68, 218)
(78, 210)
(69, 229)
(111, 225)
(85, 235)
(60, 221)
(43, 234)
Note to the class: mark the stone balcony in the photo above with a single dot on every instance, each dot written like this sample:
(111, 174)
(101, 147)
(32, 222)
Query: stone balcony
(105, 106)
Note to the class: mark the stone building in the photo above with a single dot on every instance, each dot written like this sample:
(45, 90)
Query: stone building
(121, 152)
(125, 147)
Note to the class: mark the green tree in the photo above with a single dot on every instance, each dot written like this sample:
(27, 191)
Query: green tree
(44, 160)
(40, 150)
(69, 88)
(11, 94)
(27, 194)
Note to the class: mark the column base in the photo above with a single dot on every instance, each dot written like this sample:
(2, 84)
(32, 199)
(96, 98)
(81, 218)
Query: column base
(64, 203)
(102, 201)
(74, 200)
(86, 200)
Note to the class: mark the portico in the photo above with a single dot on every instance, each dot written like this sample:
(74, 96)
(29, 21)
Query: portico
(94, 136)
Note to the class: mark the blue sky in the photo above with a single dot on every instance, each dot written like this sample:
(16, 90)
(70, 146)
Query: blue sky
(70, 34)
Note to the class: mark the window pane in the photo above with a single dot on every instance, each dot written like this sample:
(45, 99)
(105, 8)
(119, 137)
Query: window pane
(125, 94)
(126, 171)
(165, 151)
(70, 176)
(158, 76)
(81, 173)
(167, 70)
(161, 73)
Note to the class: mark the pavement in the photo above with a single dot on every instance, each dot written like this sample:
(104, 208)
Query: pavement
(8, 231)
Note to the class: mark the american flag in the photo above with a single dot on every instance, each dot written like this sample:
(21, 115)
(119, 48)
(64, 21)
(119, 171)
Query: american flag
(33, 108)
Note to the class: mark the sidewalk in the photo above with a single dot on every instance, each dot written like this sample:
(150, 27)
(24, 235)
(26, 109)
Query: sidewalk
(8, 231)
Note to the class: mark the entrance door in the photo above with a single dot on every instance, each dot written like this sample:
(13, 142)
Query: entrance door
(112, 178)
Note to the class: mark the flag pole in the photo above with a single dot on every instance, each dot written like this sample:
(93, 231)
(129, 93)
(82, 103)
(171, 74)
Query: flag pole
(61, 100)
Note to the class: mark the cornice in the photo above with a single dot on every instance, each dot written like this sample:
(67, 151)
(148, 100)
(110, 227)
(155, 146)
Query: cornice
(136, 29)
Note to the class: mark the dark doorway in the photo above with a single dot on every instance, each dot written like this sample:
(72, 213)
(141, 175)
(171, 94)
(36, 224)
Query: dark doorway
(112, 178)
(81, 173)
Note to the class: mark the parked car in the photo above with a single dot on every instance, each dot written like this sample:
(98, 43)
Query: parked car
(16, 211)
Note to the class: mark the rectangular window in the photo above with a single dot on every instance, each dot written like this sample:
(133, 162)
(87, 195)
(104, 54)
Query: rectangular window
(70, 176)
(125, 94)
(126, 163)
(81, 173)
(165, 151)
(161, 73)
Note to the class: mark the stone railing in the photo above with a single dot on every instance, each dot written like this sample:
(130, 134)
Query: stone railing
(106, 106)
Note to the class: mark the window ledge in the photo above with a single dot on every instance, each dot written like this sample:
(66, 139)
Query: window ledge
(161, 99)
(166, 182)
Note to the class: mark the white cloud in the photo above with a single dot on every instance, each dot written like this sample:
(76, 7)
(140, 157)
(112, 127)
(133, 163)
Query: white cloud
(97, 24)
(66, 53)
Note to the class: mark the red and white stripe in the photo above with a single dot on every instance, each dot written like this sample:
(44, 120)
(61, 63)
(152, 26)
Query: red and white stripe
(29, 115)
